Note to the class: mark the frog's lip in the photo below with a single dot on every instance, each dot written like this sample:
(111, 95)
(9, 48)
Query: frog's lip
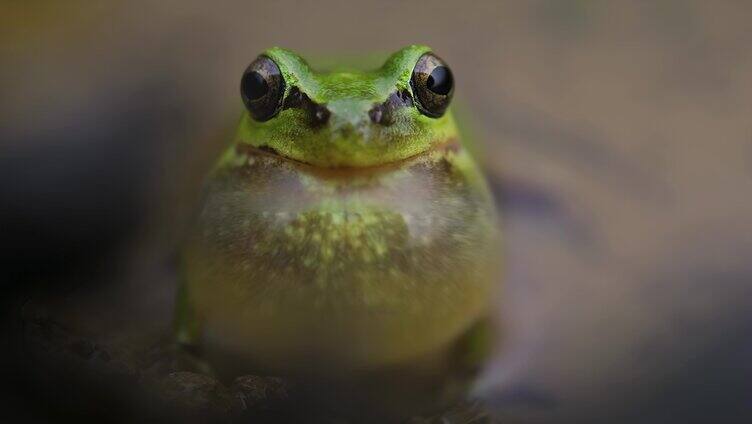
(451, 145)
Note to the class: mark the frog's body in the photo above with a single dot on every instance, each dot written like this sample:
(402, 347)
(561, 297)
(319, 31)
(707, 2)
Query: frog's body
(346, 233)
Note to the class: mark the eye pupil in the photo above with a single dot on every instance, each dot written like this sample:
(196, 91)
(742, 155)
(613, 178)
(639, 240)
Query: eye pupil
(255, 86)
(440, 80)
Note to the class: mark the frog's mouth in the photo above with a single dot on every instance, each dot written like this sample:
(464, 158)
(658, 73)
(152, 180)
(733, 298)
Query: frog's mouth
(451, 145)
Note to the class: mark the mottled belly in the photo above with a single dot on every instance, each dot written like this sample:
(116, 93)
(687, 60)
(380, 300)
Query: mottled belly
(361, 267)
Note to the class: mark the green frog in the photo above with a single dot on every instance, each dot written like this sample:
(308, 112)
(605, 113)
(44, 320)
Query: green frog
(346, 236)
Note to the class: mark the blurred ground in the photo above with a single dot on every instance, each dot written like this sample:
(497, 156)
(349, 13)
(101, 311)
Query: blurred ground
(617, 136)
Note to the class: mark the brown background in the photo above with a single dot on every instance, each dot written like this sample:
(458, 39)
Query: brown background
(617, 136)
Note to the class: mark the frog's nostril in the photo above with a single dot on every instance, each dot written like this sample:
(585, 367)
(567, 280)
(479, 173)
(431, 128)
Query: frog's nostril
(384, 113)
(377, 115)
(320, 114)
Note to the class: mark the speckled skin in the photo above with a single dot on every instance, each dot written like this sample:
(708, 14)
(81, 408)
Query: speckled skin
(326, 262)
(349, 138)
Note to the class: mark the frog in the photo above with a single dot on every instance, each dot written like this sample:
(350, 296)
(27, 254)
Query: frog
(346, 233)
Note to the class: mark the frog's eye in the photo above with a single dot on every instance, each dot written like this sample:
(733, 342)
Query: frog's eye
(262, 88)
(432, 85)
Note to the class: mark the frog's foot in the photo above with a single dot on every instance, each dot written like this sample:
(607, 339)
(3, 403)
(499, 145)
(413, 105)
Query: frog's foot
(188, 323)
(474, 347)
(187, 337)
(188, 330)
(189, 358)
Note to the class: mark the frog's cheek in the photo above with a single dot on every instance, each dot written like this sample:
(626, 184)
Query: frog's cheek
(362, 269)
(351, 140)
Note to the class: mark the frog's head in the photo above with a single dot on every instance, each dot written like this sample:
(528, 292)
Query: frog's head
(347, 118)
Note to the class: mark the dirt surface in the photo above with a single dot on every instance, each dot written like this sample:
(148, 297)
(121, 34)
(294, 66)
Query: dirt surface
(617, 137)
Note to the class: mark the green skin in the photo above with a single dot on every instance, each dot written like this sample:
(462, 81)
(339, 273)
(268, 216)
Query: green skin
(352, 247)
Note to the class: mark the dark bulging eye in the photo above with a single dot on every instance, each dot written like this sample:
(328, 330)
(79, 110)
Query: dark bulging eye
(262, 89)
(432, 84)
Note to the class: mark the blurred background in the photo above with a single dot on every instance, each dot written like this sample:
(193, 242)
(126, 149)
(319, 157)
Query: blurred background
(616, 135)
